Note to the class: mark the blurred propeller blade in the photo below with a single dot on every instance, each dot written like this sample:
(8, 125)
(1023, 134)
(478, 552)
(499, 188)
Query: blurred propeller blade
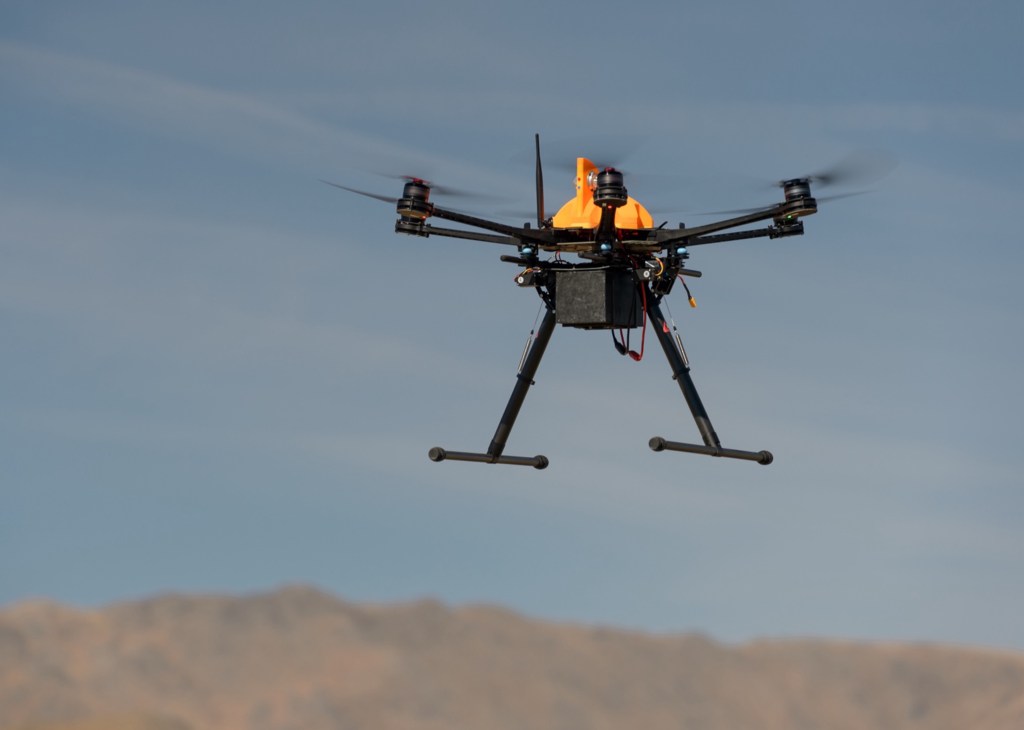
(385, 198)
(818, 198)
(607, 150)
(738, 211)
(840, 196)
(858, 168)
(436, 189)
(861, 167)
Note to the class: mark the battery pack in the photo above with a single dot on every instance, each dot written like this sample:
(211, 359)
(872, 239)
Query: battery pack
(597, 299)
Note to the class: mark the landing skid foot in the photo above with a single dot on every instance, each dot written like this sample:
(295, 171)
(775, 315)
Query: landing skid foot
(537, 462)
(761, 457)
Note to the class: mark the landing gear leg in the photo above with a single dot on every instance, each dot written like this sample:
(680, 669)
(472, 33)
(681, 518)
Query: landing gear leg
(524, 379)
(681, 373)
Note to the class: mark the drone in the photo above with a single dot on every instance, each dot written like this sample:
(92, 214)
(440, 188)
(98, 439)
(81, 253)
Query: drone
(626, 267)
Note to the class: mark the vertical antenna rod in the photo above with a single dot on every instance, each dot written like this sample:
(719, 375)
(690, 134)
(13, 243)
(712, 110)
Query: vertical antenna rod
(540, 185)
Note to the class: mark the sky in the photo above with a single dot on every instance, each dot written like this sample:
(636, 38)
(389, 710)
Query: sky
(221, 375)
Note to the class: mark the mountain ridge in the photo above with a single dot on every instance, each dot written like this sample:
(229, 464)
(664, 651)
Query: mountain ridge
(299, 657)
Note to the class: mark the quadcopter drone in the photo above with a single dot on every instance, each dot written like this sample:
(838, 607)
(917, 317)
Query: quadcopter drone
(627, 266)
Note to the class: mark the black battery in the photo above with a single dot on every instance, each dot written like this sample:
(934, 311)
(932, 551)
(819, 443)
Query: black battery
(603, 298)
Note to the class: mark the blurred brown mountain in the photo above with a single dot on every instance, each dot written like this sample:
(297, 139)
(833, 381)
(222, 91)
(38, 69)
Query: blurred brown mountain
(299, 658)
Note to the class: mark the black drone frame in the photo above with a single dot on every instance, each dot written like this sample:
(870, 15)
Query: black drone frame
(621, 274)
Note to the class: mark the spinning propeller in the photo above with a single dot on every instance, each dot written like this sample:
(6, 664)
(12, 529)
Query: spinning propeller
(444, 190)
(858, 168)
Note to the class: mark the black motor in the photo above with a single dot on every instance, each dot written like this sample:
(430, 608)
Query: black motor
(610, 191)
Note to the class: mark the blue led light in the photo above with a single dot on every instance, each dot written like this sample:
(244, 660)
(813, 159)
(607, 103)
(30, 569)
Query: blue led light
(606, 247)
(681, 250)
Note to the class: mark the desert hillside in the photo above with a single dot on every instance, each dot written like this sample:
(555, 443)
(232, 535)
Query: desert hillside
(299, 658)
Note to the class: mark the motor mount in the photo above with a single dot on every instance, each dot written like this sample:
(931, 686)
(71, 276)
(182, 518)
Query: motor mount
(411, 226)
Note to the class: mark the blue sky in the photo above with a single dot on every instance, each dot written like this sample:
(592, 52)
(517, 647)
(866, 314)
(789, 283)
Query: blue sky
(223, 375)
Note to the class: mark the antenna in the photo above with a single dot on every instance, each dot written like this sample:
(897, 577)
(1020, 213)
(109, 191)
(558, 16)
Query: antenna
(540, 185)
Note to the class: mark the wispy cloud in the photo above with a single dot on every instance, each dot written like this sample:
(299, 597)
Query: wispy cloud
(682, 120)
(110, 288)
(240, 123)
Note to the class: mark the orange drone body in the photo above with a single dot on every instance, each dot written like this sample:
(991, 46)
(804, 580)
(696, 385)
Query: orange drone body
(581, 212)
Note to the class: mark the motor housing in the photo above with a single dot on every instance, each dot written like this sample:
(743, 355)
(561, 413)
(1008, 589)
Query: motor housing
(610, 191)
